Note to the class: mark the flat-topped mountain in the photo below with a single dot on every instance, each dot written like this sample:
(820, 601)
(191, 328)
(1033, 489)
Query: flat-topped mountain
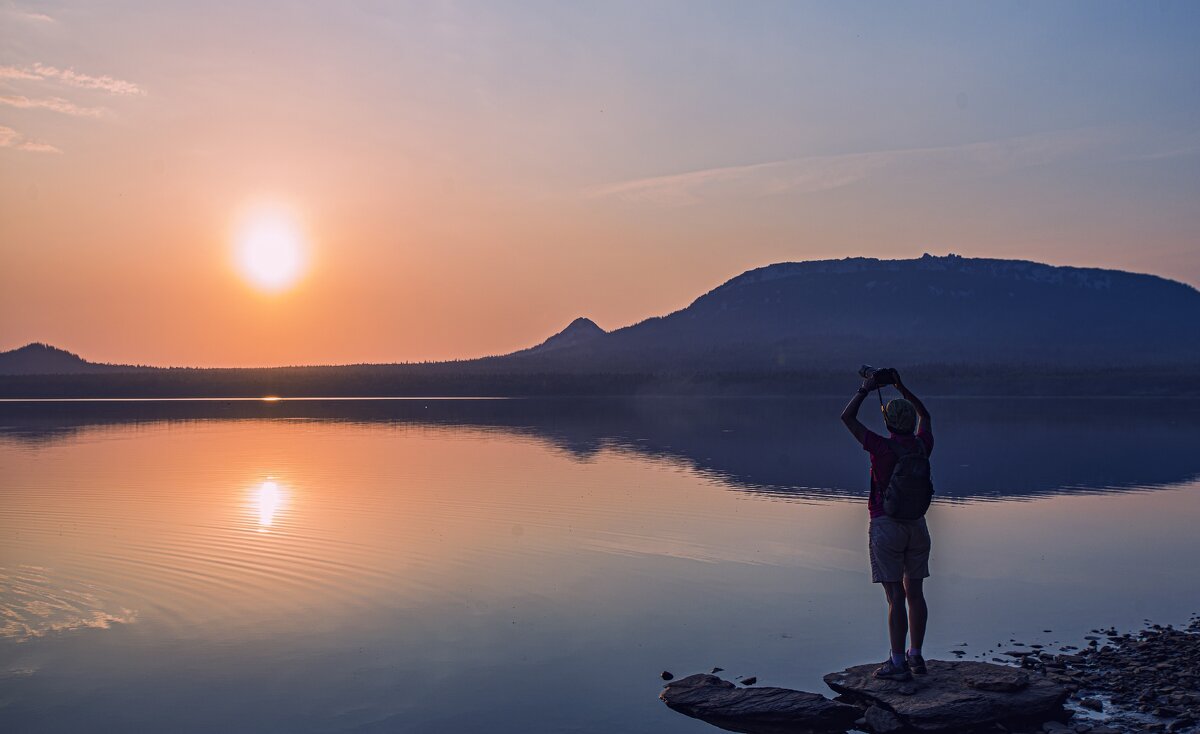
(930, 310)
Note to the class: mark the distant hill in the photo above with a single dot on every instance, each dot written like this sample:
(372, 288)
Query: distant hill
(43, 359)
(964, 325)
(931, 310)
(579, 333)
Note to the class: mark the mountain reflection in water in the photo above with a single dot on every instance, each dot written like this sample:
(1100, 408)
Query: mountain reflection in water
(986, 448)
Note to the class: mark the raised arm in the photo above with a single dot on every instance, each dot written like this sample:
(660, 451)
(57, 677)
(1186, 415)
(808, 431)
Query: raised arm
(850, 414)
(922, 412)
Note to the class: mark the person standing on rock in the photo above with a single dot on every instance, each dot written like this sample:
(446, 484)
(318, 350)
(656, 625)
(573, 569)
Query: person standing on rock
(899, 540)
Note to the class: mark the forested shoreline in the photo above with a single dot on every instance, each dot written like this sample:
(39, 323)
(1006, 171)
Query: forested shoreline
(463, 381)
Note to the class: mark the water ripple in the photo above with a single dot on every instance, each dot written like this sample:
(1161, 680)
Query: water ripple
(33, 604)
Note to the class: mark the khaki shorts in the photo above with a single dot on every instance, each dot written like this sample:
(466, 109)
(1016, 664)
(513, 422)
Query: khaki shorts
(899, 550)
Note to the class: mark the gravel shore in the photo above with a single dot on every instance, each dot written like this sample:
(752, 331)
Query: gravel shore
(1127, 682)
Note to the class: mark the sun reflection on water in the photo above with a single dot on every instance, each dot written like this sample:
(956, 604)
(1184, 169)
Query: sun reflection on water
(268, 499)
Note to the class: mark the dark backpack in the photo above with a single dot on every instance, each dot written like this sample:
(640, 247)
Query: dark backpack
(910, 489)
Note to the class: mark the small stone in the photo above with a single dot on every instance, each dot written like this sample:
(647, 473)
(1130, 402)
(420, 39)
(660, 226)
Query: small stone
(717, 670)
(666, 675)
(749, 681)
(1092, 703)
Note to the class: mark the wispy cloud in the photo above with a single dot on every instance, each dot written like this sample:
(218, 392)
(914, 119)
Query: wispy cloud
(41, 75)
(55, 104)
(70, 77)
(15, 72)
(29, 15)
(1184, 146)
(1168, 154)
(759, 179)
(10, 138)
(821, 173)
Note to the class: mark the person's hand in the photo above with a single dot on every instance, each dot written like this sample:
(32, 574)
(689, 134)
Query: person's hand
(899, 382)
(869, 384)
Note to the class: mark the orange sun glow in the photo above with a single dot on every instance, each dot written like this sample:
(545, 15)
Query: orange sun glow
(270, 250)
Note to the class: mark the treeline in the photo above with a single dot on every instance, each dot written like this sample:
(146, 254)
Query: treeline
(448, 381)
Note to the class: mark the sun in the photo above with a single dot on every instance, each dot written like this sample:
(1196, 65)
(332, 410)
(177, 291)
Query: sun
(270, 249)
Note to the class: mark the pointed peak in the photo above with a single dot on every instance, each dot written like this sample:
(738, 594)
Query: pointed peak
(582, 325)
(580, 331)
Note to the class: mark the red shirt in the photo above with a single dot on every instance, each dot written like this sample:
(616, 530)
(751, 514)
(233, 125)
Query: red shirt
(883, 461)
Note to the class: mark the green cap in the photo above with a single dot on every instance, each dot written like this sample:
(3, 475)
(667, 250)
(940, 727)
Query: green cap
(900, 416)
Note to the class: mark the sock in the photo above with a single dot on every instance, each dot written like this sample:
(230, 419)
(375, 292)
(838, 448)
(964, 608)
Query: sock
(898, 659)
(914, 651)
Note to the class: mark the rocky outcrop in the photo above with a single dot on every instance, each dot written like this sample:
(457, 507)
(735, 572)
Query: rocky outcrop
(758, 710)
(954, 696)
(1144, 682)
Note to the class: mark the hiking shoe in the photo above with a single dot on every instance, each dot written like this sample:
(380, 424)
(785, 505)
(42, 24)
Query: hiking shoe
(916, 664)
(891, 671)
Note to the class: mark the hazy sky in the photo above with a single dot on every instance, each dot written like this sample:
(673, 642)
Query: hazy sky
(470, 177)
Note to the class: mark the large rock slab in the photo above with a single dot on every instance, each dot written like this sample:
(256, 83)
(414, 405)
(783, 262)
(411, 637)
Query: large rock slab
(758, 710)
(958, 695)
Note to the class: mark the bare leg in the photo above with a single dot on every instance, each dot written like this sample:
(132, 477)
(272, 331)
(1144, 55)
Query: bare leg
(897, 615)
(918, 612)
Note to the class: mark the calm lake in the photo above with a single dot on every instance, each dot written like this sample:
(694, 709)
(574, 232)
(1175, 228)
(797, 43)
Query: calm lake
(533, 565)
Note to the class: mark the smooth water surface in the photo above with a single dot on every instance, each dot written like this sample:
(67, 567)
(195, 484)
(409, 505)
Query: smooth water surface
(528, 566)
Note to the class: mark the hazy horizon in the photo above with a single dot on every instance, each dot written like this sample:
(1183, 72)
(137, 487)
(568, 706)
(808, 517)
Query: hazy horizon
(4, 348)
(452, 180)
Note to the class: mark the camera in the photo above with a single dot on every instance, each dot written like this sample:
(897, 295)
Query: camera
(883, 375)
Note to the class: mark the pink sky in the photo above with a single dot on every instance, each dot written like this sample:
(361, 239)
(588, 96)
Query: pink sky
(467, 179)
